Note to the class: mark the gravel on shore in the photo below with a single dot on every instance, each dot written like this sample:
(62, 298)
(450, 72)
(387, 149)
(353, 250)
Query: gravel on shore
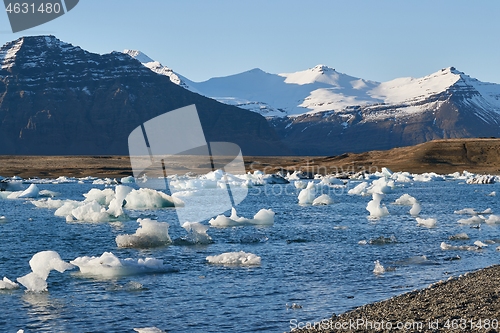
(468, 303)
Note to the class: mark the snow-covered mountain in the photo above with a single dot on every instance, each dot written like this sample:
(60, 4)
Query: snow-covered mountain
(58, 99)
(325, 112)
(322, 88)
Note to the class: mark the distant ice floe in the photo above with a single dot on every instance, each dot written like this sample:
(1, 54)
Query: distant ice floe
(471, 211)
(41, 264)
(375, 208)
(151, 329)
(460, 236)
(359, 189)
(235, 259)
(408, 200)
(429, 223)
(379, 269)
(264, 217)
(307, 195)
(481, 179)
(150, 234)
(323, 199)
(108, 204)
(110, 266)
(446, 247)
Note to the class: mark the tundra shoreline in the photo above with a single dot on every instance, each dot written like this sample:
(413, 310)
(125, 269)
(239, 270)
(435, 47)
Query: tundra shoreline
(468, 303)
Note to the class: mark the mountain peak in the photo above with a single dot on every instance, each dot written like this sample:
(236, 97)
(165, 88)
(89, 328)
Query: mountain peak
(322, 69)
(143, 58)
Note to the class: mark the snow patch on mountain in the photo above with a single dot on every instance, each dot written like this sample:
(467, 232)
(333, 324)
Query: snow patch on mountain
(8, 53)
(158, 68)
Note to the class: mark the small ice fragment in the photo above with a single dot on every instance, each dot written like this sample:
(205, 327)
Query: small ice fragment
(152, 329)
(323, 199)
(460, 236)
(480, 244)
(379, 269)
(306, 196)
(7, 284)
(263, 217)
(374, 207)
(429, 223)
(235, 259)
(197, 233)
(149, 234)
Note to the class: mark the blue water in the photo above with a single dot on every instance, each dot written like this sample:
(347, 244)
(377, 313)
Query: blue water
(310, 256)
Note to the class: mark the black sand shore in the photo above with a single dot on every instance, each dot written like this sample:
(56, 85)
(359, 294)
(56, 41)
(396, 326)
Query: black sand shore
(468, 303)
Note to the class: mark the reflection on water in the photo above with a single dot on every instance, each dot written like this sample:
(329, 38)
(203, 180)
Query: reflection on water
(44, 312)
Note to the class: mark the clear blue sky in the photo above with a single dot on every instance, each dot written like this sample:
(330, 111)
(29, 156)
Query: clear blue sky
(377, 40)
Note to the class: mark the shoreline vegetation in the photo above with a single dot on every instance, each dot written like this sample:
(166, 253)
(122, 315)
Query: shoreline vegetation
(467, 303)
(440, 156)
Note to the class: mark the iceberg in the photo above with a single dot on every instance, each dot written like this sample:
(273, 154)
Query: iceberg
(429, 223)
(197, 233)
(374, 207)
(110, 266)
(7, 284)
(235, 259)
(323, 199)
(379, 269)
(42, 263)
(263, 217)
(306, 196)
(145, 198)
(149, 234)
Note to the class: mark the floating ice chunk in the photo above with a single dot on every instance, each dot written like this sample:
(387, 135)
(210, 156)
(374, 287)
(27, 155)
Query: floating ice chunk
(127, 180)
(380, 185)
(402, 177)
(145, 198)
(471, 211)
(406, 200)
(235, 258)
(374, 207)
(386, 172)
(460, 236)
(492, 194)
(359, 189)
(115, 207)
(471, 220)
(197, 233)
(323, 199)
(91, 212)
(381, 240)
(47, 193)
(41, 264)
(150, 234)
(428, 177)
(300, 184)
(48, 203)
(493, 219)
(379, 269)
(480, 244)
(31, 192)
(415, 209)
(3, 218)
(102, 197)
(306, 196)
(446, 247)
(275, 179)
(263, 217)
(429, 223)
(66, 208)
(483, 179)
(105, 181)
(110, 266)
(328, 181)
(152, 329)
(7, 284)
